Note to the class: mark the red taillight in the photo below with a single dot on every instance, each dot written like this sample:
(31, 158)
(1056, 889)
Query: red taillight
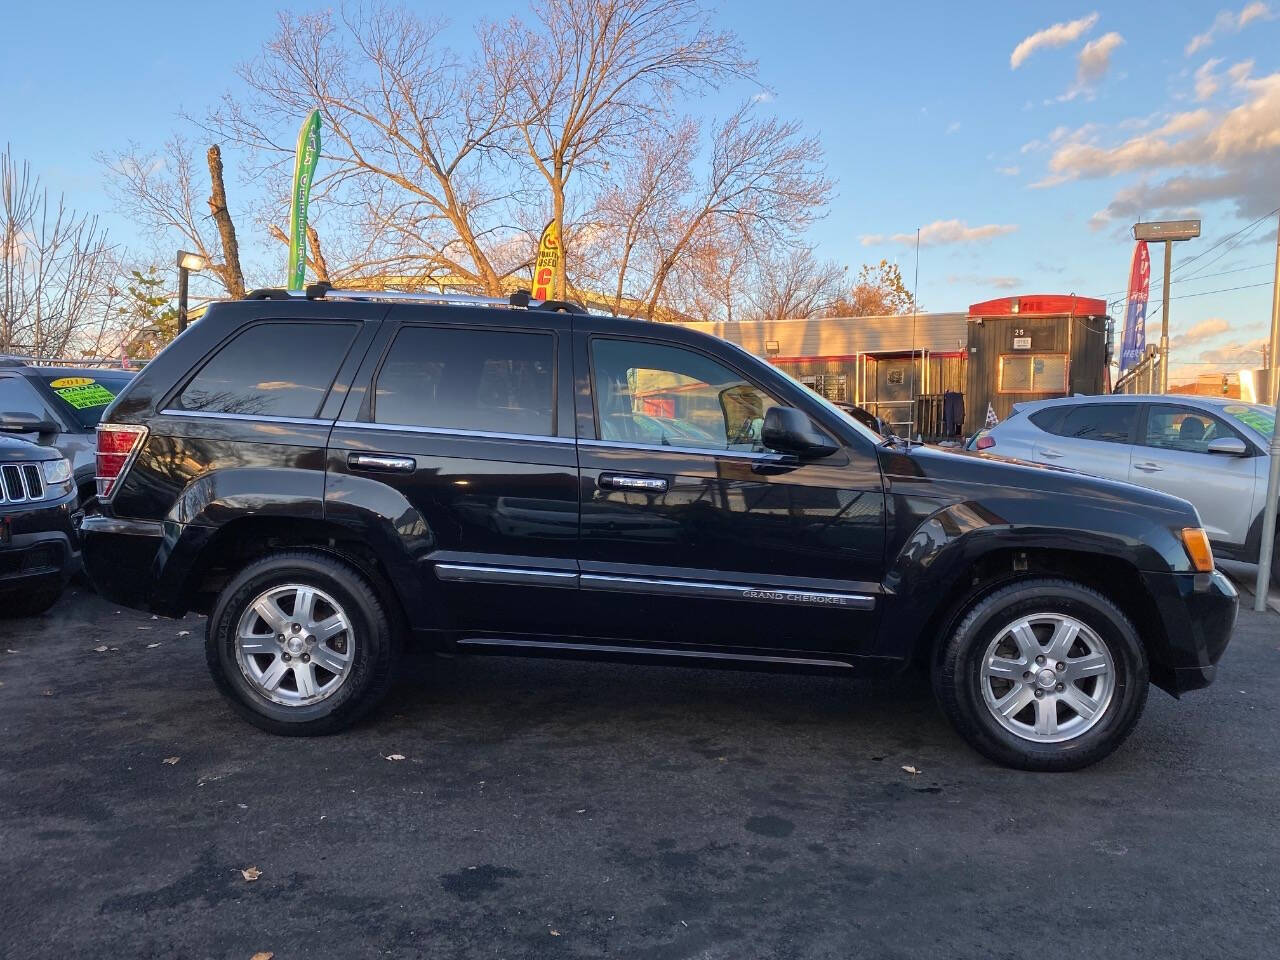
(117, 443)
(985, 443)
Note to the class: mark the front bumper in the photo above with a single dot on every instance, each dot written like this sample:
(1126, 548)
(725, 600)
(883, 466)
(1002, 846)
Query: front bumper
(38, 545)
(1197, 612)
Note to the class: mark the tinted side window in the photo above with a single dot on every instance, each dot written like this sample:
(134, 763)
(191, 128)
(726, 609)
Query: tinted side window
(1048, 419)
(498, 381)
(1108, 422)
(271, 369)
(649, 393)
(1181, 428)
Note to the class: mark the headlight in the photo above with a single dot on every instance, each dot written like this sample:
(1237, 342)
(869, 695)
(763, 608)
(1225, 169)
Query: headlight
(56, 471)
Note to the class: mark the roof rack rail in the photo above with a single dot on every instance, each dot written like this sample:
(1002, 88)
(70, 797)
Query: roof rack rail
(10, 361)
(324, 291)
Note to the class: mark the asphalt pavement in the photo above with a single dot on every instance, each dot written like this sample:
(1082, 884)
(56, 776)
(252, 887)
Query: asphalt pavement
(548, 809)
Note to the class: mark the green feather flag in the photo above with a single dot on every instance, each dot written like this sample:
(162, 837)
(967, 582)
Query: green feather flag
(304, 169)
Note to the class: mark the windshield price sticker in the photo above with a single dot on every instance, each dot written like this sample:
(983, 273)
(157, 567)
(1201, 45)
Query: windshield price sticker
(82, 392)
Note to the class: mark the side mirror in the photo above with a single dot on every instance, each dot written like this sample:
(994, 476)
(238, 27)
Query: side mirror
(1229, 447)
(789, 430)
(25, 423)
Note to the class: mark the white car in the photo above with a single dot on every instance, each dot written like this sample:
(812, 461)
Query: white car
(1211, 451)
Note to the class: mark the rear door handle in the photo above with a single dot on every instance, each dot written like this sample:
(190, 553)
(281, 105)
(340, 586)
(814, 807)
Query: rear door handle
(622, 481)
(1050, 454)
(381, 463)
(1149, 467)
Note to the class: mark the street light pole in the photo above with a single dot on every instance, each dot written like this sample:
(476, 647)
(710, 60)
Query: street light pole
(1164, 320)
(1263, 585)
(188, 263)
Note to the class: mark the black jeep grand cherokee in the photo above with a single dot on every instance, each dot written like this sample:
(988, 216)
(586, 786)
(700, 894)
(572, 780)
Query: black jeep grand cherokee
(39, 550)
(332, 475)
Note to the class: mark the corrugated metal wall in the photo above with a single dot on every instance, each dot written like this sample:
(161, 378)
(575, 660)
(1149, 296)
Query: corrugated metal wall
(844, 336)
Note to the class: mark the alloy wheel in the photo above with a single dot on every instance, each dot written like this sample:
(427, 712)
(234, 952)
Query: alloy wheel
(1047, 678)
(295, 645)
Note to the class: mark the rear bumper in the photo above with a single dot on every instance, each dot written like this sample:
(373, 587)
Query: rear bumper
(1197, 612)
(122, 559)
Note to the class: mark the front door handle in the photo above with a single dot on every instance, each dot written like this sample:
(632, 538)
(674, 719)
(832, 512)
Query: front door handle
(1050, 454)
(622, 481)
(381, 463)
(1149, 467)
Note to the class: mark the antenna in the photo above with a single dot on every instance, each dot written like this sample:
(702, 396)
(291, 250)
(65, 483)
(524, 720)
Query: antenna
(915, 309)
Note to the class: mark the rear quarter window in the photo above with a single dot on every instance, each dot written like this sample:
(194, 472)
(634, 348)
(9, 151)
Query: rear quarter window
(271, 369)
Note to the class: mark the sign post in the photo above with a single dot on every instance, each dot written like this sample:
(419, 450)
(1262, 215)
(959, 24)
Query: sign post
(1168, 231)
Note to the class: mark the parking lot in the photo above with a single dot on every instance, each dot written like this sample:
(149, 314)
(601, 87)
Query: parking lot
(547, 809)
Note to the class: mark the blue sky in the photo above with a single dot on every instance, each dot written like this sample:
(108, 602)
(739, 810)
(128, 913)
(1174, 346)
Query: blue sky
(1030, 176)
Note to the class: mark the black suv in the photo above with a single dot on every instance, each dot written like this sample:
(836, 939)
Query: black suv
(39, 550)
(330, 476)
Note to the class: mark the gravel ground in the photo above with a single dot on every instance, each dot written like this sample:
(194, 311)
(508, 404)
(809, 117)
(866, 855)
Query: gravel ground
(546, 809)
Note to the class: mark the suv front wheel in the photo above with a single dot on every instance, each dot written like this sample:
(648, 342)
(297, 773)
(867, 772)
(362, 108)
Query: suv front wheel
(1044, 674)
(300, 643)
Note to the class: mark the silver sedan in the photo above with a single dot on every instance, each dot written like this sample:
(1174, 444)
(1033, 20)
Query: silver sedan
(1211, 451)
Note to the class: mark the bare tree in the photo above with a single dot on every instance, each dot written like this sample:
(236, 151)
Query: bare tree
(796, 286)
(413, 140)
(588, 75)
(55, 266)
(159, 191)
(763, 176)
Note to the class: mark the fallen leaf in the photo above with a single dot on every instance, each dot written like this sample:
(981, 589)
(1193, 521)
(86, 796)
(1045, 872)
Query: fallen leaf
(144, 628)
(98, 649)
(11, 651)
(46, 693)
(251, 874)
(555, 932)
(155, 618)
(243, 806)
(152, 646)
(910, 769)
(262, 955)
(171, 760)
(395, 756)
(184, 633)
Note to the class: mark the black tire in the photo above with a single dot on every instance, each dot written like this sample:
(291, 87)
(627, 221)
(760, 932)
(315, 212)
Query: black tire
(957, 674)
(376, 643)
(30, 604)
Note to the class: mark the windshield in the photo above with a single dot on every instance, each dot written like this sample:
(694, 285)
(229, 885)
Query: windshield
(1255, 415)
(83, 397)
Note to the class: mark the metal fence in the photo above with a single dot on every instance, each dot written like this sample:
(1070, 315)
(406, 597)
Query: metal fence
(1144, 378)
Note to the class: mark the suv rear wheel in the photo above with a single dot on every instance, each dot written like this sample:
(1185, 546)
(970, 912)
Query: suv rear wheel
(300, 643)
(1043, 675)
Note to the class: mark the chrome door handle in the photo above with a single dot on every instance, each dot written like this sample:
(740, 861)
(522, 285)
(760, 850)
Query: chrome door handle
(381, 462)
(620, 481)
(1149, 467)
(1051, 454)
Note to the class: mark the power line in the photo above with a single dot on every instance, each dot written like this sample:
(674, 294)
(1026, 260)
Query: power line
(1203, 276)
(1187, 263)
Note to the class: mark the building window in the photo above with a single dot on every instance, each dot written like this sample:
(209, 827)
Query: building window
(1033, 373)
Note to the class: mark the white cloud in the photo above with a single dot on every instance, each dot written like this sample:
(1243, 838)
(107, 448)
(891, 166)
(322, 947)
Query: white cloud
(1240, 72)
(1200, 332)
(953, 127)
(764, 96)
(1236, 354)
(1207, 83)
(1246, 131)
(1095, 58)
(1228, 22)
(1010, 171)
(1058, 35)
(996, 283)
(943, 233)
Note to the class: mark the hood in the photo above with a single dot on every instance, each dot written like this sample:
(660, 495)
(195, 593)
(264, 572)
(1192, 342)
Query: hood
(969, 467)
(16, 450)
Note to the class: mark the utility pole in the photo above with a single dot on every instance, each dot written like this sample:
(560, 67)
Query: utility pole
(1164, 320)
(1263, 585)
(1166, 231)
